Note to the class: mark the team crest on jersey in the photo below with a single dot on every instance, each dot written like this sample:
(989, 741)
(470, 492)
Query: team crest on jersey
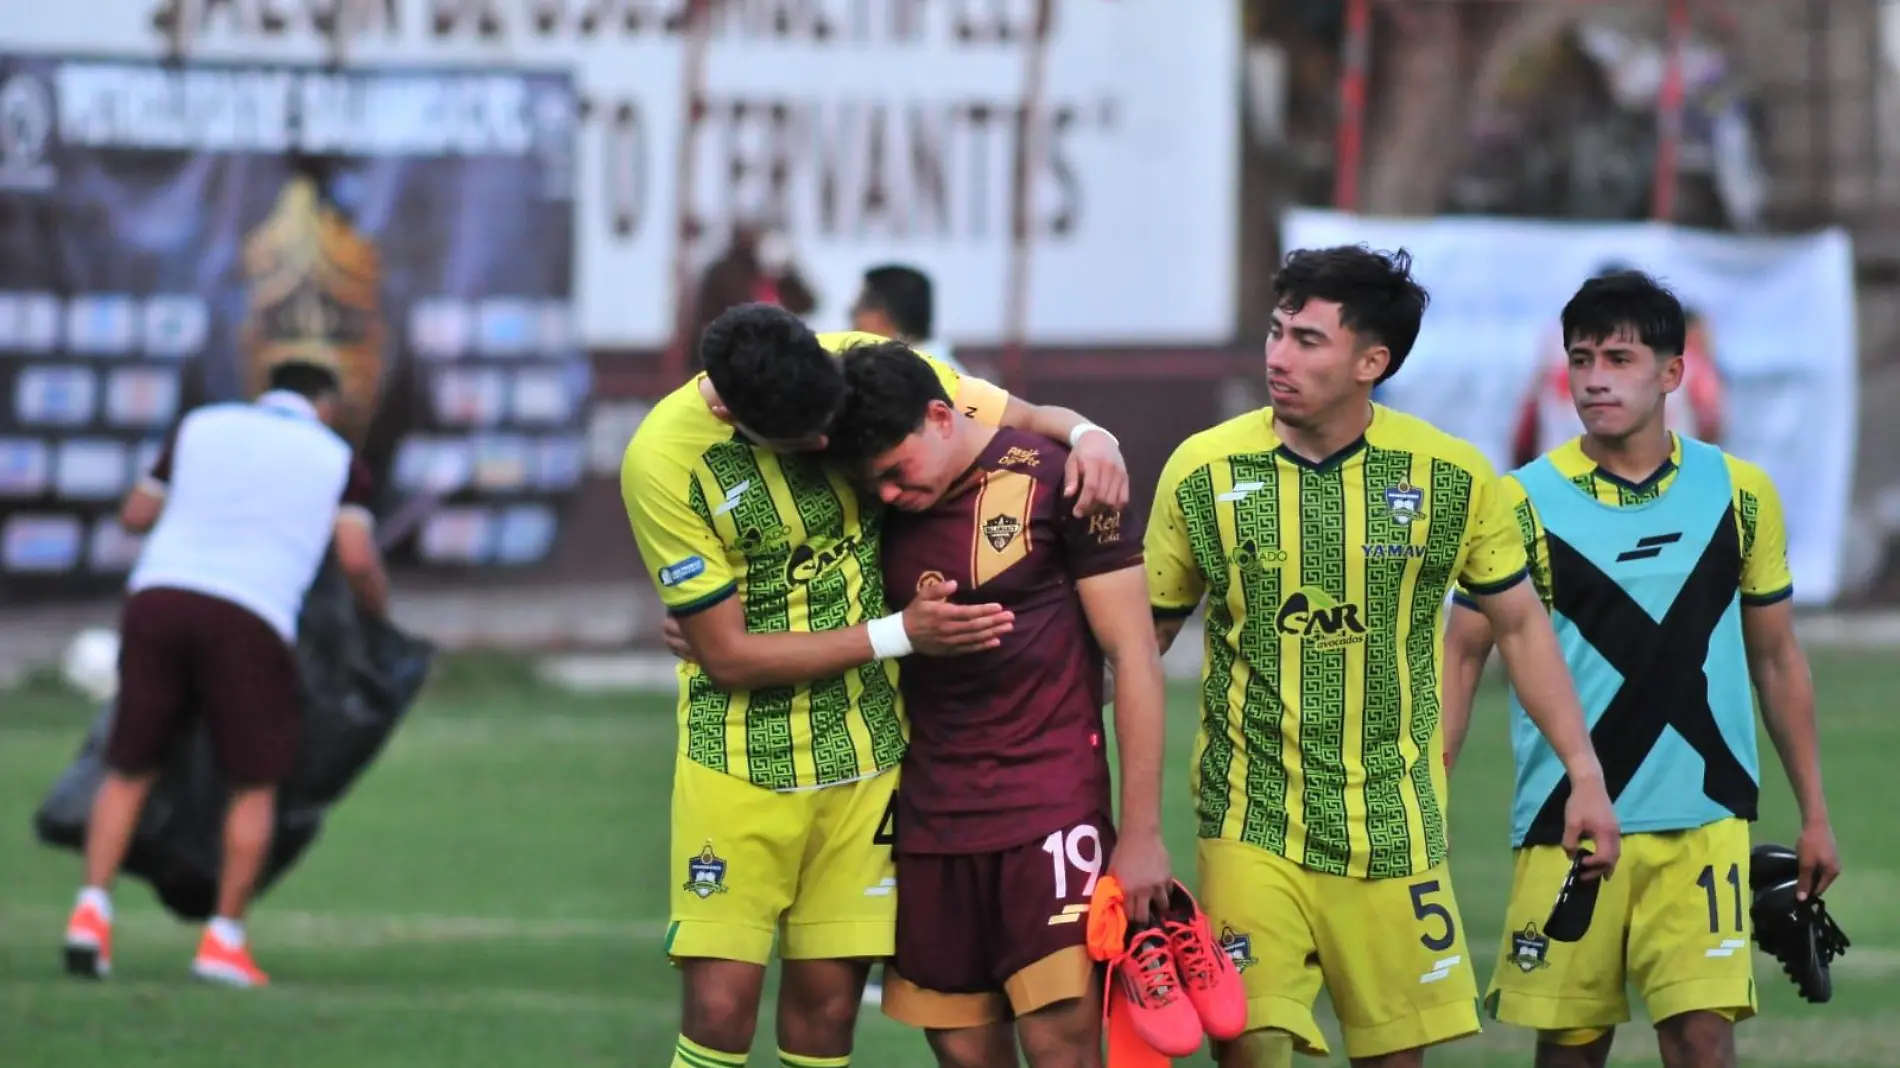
(1000, 530)
(1238, 947)
(1528, 949)
(706, 873)
(1407, 503)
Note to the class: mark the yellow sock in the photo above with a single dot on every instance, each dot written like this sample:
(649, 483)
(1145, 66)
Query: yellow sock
(690, 1054)
(798, 1060)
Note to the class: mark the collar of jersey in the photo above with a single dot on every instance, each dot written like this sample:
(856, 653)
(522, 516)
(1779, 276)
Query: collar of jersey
(285, 402)
(1338, 458)
(1571, 461)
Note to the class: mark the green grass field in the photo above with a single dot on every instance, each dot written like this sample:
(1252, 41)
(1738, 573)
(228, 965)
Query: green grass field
(494, 894)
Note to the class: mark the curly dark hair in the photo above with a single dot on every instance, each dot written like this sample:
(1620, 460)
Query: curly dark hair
(1378, 298)
(888, 391)
(771, 371)
(1610, 303)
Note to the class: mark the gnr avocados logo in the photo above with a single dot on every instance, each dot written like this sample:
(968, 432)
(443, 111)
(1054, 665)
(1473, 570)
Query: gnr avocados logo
(807, 562)
(1323, 622)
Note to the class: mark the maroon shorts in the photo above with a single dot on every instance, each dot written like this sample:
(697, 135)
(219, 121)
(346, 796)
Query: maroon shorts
(983, 937)
(182, 653)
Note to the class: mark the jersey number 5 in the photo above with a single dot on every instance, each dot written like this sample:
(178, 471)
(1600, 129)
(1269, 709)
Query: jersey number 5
(1428, 910)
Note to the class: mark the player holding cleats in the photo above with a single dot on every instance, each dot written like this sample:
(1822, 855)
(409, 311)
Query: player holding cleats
(1663, 561)
(790, 720)
(1004, 819)
(1324, 533)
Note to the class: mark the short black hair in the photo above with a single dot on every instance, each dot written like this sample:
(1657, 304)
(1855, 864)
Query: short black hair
(1627, 300)
(1377, 296)
(771, 372)
(889, 390)
(904, 294)
(309, 380)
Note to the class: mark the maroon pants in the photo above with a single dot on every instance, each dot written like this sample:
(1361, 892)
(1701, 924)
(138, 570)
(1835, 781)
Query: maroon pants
(976, 923)
(182, 652)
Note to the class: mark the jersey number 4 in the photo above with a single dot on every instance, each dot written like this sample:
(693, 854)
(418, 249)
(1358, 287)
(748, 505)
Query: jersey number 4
(886, 833)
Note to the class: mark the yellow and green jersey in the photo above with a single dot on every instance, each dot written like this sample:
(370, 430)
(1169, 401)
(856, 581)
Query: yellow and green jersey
(717, 517)
(1326, 586)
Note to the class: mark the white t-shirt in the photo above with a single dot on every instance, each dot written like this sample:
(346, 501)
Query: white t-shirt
(252, 495)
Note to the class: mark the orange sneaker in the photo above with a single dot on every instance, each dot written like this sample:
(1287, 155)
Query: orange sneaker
(1160, 1013)
(88, 943)
(1208, 974)
(218, 962)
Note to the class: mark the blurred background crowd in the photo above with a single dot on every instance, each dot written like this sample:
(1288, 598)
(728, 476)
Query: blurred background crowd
(506, 219)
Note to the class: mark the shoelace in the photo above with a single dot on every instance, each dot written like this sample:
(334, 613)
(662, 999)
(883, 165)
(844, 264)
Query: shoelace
(1191, 954)
(1154, 982)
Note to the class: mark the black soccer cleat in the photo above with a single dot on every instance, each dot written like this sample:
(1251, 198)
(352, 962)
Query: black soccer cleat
(1799, 934)
(1576, 904)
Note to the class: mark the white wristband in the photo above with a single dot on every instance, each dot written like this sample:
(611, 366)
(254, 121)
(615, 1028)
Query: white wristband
(889, 640)
(1076, 434)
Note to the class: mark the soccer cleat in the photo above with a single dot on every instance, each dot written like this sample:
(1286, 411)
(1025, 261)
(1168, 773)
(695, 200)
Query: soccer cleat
(88, 943)
(1208, 974)
(218, 962)
(1151, 986)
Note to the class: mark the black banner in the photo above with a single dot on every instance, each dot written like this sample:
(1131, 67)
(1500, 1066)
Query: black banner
(167, 233)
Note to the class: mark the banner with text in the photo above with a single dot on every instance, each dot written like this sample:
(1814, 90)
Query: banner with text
(1780, 316)
(429, 259)
(871, 130)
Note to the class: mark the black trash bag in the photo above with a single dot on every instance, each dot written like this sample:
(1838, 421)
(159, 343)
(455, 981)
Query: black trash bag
(359, 678)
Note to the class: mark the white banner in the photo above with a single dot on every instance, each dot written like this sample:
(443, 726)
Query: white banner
(876, 129)
(1780, 311)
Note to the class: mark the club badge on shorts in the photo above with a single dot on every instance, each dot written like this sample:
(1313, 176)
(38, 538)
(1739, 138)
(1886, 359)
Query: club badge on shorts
(1528, 949)
(706, 873)
(1238, 947)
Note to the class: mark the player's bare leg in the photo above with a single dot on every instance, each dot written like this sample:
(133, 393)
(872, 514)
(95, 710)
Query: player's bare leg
(818, 1003)
(1696, 1040)
(115, 812)
(1256, 1049)
(247, 836)
(1552, 1053)
(1067, 1034)
(720, 1010)
(989, 1046)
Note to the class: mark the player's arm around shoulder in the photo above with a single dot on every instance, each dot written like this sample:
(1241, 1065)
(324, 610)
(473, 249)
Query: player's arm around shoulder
(1102, 553)
(1778, 666)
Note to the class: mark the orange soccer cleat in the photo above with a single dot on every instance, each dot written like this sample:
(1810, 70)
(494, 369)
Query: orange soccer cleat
(89, 943)
(1151, 986)
(221, 962)
(1207, 973)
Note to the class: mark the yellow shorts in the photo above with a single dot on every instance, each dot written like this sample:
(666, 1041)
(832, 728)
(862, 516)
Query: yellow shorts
(750, 864)
(1672, 922)
(1391, 952)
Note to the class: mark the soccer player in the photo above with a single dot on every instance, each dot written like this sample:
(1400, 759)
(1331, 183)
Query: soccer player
(241, 506)
(898, 301)
(1663, 562)
(1004, 819)
(789, 712)
(1324, 533)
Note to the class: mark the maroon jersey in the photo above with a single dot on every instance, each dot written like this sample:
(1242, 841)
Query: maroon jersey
(1005, 745)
